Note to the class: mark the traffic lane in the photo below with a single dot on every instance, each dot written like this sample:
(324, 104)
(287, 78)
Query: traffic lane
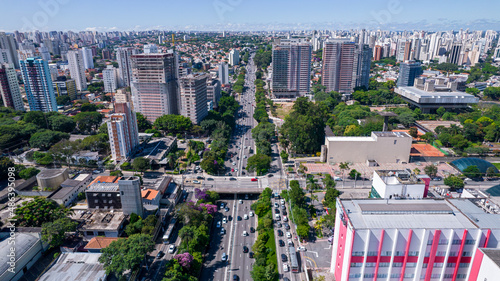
(214, 266)
(241, 261)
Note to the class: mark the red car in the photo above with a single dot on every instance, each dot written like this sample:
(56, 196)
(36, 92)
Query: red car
(232, 170)
(254, 179)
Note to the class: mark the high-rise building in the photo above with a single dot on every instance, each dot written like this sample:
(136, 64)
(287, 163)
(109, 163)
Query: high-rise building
(291, 64)
(38, 85)
(213, 91)
(4, 56)
(223, 73)
(9, 87)
(234, 57)
(77, 69)
(194, 97)
(106, 54)
(155, 85)
(88, 59)
(130, 196)
(150, 49)
(123, 96)
(346, 65)
(123, 132)
(65, 87)
(456, 56)
(431, 239)
(123, 56)
(377, 53)
(44, 53)
(408, 71)
(8, 43)
(110, 79)
(407, 53)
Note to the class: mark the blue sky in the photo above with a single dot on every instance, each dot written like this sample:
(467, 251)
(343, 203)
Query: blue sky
(105, 15)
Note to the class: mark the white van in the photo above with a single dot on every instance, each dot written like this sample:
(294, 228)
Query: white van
(277, 217)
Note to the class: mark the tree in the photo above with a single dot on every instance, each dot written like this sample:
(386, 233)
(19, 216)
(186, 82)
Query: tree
(36, 212)
(454, 182)
(87, 107)
(173, 123)
(28, 173)
(259, 163)
(141, 164)
(431, 170)
(143, 124)
(88, 121)
(54, 233)
(62, 123)
(44, 139)
(490, 172)
(413, 132)
(64, 150)
(343, 166)
(284, 156)
(36, 117)
(406, 118)
(126, 254)
(63, 100)
(440, 111)
(353, 174)
(328, 181)
(472, 172)
(303, 230)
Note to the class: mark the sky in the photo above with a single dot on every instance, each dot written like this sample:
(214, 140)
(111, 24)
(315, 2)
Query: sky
(242, 15)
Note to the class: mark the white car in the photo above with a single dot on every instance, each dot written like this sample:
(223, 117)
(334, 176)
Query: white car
(171, 249)
(234, 163)
(224, 220)
(196, 181)
(282, 201)
(302, 249)
(245, 157)
(241, 201)
(288, 234)
(245, 233)
(218, 224)
(245, 217)
(251, 214)
(290, 242)
(285, 267)
(222, 231)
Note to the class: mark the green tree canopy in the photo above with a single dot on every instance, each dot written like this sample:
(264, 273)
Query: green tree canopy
(54, 233)
(44, 139)
(36, 212)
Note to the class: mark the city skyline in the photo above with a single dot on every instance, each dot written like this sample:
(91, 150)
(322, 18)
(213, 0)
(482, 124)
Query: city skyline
(230, 15)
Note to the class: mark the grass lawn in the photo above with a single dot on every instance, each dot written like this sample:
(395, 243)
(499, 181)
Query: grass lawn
(271, 244)
(496, 165)
(283, 109)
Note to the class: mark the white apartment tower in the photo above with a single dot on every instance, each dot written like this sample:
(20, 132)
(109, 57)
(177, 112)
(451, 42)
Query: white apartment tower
(234, 57)
(194, 97)
(9, 87)
(110, 79)
(123, 56)
(88, 59)
(123, 132)
(77, 69)
(223, 73)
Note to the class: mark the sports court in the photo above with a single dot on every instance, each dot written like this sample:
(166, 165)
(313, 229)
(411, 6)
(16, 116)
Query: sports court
(425, 150)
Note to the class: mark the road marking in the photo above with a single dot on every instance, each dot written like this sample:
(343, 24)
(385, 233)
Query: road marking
(329, 246)
(231, 246)
(310, 259)
(314, 252)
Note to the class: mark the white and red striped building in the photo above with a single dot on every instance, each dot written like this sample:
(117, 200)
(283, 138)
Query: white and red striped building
(432, 239)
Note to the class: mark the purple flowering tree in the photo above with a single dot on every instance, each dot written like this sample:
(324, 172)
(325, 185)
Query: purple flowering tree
(184, 259)
(211, 209)
(200, 194)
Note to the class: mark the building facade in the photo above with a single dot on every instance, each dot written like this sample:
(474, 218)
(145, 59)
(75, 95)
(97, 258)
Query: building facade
(65, 87)
(408, 71)
(124, 58)
(77, 69)
(38, 85)
(88, 59)
(194, 97)
(123, 132)
(291, 68)
(223, 73)
(393, 184)
(110, 79)
(213, 92)
(380, 239)
(9, 87)
(234, 57)
(155, 85)
(8, 43)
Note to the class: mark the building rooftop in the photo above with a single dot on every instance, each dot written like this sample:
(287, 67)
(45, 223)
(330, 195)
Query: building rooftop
(156, 149)
(104, 179)
(103, 187)
(76, 266)
(81, 177)
(24, 241)
(421, 96)
(100, 242)
(398, 176)
(373, 136)
(149, 194)
(50, 173)
(100, 220)
(414, 214)
(493, 254)
(391, 134)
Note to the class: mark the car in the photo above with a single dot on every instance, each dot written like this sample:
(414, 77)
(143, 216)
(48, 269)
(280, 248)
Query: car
(238, 218)
(287, 226)
(278, 224)
(276, 205)
(280, 232)
(226, 209)
(245, 217)
(282, 244)
(218, 224)
(240, 201)
(229, 174)
(200, 178)
(250, 255)
(160, 254)
(96, 171)
(302, 249)
(224, 257)
(253, 179)
(245, 233)
(277, 211)
(284, 213)
(244, 156)
(250, 214)
(236, 278)
(269, 175)
(232, 170)
(224, 220)
(196, 181)
(283, 207)
(245, 249)
(232, 179)
(282, 201)
(284, 258)
(243, 173)
(337, 179)
(285, 219)
(236, 170)
(290, 242)
(437, 179)
(288, 234)
(210, 179)
(277, 217)
(171, 249)
(252, 230)
(285, 267)
(234, 163)
(246, 196)
(286, 279)
(222, 204)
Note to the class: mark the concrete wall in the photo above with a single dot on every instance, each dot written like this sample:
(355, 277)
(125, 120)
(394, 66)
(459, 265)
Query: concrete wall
(386, 188)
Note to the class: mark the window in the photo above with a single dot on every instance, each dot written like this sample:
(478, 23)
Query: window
(96, 201)
(441, 253)
(90, 233)
(448, 275)
(424, 265)
(399, 253)
(436, 275)
(368, 275)
(413, 253)
(456, 241)
(387, 253)
(395, 141)
(470, 242)
(397, 264)
(443, 241)
(409, 275)
(100, 233)
(357, 254)
(453, 254)
(354, 275)
(467, 254)
(464, 265)
(429, 242)
(370, 264)
(438, 265)
(450, 264)
(356, 264)
(384, 264)
(461, 276)
(372, 253)
(395, 275)
(382, 275)
(411, 264)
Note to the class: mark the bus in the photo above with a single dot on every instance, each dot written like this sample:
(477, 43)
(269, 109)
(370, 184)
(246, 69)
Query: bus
(169, 231)
(294, 264)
